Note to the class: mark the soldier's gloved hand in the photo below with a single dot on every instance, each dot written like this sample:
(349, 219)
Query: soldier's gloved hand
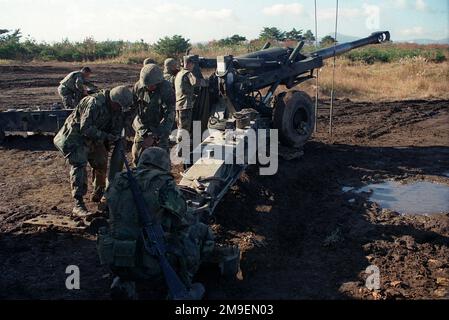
(112, 138)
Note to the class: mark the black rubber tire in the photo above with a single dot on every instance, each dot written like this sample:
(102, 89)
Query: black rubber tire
(2, 136)
(294, 117)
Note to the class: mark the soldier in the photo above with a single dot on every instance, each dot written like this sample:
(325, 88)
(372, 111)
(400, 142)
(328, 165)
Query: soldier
(121, 247)
(86, 136)
(185, 84)
(171, 69)
(148, 61)
(154, 101)
(73, 87)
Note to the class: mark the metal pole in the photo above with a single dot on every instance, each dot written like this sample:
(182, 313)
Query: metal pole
(331, 131)
(317, 73)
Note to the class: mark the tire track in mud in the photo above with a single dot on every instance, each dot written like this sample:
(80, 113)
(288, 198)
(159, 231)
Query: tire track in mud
(377, 120)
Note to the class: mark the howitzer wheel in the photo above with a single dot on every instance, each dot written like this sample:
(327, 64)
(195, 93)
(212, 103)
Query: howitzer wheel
(294, 117)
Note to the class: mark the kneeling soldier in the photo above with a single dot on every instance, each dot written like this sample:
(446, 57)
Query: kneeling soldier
(123, 246)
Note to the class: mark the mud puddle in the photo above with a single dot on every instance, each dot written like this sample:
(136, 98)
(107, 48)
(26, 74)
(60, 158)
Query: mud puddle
(417, 198)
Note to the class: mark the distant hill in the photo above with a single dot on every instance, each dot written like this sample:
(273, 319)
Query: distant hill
(342, 37)
(427, 41)
(345, 38)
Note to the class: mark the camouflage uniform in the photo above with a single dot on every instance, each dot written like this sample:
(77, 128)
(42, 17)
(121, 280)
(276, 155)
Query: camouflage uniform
(170, 78)
(72, 89)
(185, 84)
(122, 248)
(155, 114)
(84, 139)
(170, 71)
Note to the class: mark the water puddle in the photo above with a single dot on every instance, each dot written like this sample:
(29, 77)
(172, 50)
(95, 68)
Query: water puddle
(347, 189)
(415, 198)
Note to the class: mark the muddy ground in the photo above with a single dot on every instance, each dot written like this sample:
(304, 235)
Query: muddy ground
(301, 237)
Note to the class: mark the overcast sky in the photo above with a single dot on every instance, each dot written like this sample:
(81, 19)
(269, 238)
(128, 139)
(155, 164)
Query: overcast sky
(202, 20)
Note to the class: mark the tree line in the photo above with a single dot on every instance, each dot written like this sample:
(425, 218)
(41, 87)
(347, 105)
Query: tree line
(13, 45)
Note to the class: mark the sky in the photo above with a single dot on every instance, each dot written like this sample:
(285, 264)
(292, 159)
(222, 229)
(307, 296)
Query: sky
(202, 20)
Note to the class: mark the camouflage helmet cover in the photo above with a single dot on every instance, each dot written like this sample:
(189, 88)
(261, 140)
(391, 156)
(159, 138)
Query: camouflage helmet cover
(155, 156)
(123, 96)
(148, 61)
(188, 59)
(150, 74)
(170, 63)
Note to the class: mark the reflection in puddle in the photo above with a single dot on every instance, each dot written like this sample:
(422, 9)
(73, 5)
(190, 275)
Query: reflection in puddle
(414, 198)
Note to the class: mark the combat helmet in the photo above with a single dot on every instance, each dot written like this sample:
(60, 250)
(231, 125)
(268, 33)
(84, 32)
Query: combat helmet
(170, 63)
(123, 96)
(150, 74)
(189, 58)
(155, 156)
(149, 61)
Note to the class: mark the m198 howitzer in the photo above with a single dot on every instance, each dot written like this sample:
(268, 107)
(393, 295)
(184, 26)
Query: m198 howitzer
(35, 120)
(251, 80)
(242, 97)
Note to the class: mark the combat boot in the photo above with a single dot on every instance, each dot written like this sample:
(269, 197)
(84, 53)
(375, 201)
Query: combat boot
(80, 210)
(97, 195)
(123, 290)
(103, 206)
(227, 258)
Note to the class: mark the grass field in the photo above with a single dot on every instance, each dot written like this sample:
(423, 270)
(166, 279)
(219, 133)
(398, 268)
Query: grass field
(378, 72)
(409, 78)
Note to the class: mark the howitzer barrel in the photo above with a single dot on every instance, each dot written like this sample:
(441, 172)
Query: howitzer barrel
(377, 37)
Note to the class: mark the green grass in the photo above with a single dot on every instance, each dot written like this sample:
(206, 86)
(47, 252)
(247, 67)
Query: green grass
(7, 61)
(396, 52)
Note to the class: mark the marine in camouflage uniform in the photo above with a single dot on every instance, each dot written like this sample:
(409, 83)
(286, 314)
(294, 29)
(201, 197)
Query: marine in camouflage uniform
(185, 83)
(171, 69)
(154, 104)
(122, 246)
(87, 135)
(73, 87)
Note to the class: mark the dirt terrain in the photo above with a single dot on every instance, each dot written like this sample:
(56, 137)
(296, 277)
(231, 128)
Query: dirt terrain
(28, 85)
(302, 237)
